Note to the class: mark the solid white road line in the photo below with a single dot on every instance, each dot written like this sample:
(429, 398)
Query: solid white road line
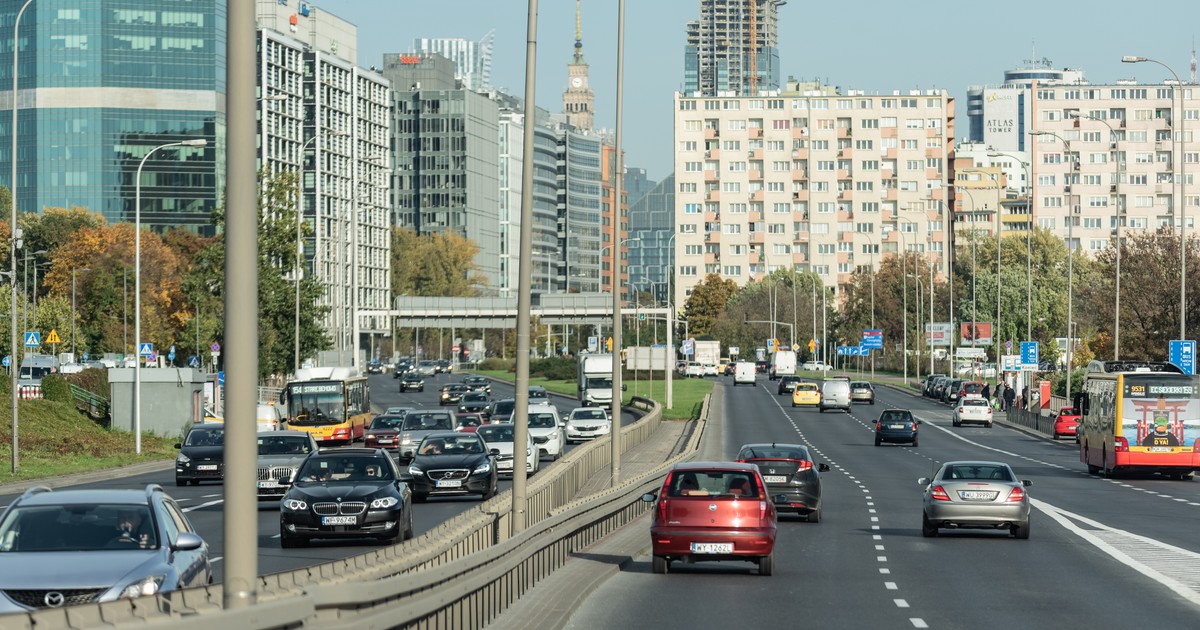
(203, 505)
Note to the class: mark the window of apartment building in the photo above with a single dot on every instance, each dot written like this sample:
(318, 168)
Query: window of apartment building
(691, 208)
(888, 122)
(693, 125)
(712, 165)
(818, 103)
(907, 144)
(1047, 223)
(732, 270)
(781, 208)
(1191, 157)
(776, 228)
(781, 124)
(1163, 157)
(914, 123)
(1046, 180)
(1142, 157)
(1118, 94)
(737, 208)
(712, 123)
(754, 104)
(934, 163)
(845, 103)
(781, 248)
(869, 248)
(1097, 158)
(845, 248)
(826, 123)
(1091, 136)
(1137, 179)
(709, 206)
(869, 206)
(687, 145)
(1145, 114)
(737, 124)
(821, 270)
(1143, 201)
(687, 105)
(827, 166)
(693, 250)
(908, 186)
(820, 145)
(845, 267)
(776, 187)
(756, 123)
(687, 228)
(1138, 136)
(826, 207)
(737, 167)
(780, 166)
(869, 123)
(1097, 244)
(912, 165)
(864, 185)
(1092, 180)
(732, 104)
(908, 103)
(731, 228)
(864, 145)
(775, 103)
(776, 145)
(711, 105)
(687, 187)
(1138, 93)
(687, 270)
(732, 145)
(887, 103)
(1052, 202)
(731, 187)
(869, 165)
(755, 187)
(820, 186)
(693, 167)
(818, 228)
(1052, 158)
(1138, 223)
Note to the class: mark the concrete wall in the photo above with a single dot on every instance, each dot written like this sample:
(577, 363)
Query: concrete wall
(172, 399)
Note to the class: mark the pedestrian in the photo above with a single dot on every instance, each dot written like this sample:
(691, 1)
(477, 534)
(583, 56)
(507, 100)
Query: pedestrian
(1010, 394)
(987, 393)
(1000, 391)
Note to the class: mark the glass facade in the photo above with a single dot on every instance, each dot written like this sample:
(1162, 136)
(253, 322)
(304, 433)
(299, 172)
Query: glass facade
(102, 83)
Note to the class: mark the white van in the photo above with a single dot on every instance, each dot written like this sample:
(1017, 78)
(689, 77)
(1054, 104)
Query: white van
(744, 372)
(269, 418)
(835, 394)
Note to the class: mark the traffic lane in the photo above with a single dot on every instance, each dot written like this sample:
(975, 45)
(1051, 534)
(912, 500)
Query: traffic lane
(982, 566)
(1149, 505)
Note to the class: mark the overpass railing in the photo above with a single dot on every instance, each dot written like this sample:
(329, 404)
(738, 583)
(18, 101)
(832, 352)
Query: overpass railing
(462, 574)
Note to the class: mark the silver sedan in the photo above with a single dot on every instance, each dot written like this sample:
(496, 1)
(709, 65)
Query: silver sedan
(975, 495)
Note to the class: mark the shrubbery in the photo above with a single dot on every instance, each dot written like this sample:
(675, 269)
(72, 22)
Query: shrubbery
(497, 365)
(554, 368)
(54, 387)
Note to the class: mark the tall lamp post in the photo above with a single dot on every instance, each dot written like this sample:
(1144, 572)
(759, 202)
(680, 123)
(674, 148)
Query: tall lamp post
(1113, 137)
(16, 234)
(670, 292)
(1070, 252)
(1182, 199)
(137, 285)
(73, 314)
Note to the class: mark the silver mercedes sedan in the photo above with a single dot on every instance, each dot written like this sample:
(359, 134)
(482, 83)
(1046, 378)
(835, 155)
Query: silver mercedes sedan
(975, 495)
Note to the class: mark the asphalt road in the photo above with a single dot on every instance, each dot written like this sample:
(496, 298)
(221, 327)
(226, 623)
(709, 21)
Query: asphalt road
(866, 565)
(204, 504)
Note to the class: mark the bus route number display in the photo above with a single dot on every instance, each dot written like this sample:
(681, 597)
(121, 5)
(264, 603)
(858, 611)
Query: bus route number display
(327, 388)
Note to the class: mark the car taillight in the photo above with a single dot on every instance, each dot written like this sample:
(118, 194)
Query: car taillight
(740, 461)
(939, 494)
(914, 425)
(1016, 496)
(804, 465)
(1120, 445)
(960, 410)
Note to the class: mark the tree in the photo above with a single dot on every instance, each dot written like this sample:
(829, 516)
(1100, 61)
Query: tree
(707, 303)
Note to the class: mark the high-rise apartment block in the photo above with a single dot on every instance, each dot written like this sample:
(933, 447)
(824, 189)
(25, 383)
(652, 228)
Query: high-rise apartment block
(472, 59)
(732, 48)
(809, 179)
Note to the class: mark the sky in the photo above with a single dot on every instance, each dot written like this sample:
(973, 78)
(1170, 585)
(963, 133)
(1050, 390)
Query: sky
(868, 45)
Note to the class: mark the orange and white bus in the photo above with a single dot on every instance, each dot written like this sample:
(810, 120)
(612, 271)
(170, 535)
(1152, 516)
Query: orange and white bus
(1139, 416)
(333, 404)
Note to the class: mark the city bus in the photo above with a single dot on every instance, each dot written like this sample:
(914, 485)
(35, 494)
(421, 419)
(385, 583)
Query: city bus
(1139, 416)
(333, 404)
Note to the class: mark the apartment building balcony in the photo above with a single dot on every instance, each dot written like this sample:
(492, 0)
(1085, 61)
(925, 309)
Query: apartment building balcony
(933, 132)
(712, 258)
(759, 215)
(843, 132)
(711, 134)
(712, 216)
(845, 195)
(890, 194)
(800, 154)
(845, 173)
(712, 195)
(756, 154)
(889, 132)
(891, 153)
(758, 238)
(800, 237)
(757, 195)
(711, 175)
(712, 154)
(799, 174)
(756, 175)
(712, 237)
(756, 132)
(846, 152)
(800, 195)
(800, 132)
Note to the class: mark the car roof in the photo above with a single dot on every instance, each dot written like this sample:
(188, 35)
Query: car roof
(47, 496)
(283, 433)
(712, 465)
(207, 425)
(444, 434)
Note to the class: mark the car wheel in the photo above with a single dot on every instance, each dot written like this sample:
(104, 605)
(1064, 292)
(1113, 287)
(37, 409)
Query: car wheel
(872, 401)
(814, 516)
(1021, 532)
(954, 423)
(989, 425)
(408, 530)
(878, 441)
(914, 442)
(766, 565)
(180, 482)
(195, 482)
(822, 409)
(928, 529)
(490, 492)
(661, 565)
(288, 541)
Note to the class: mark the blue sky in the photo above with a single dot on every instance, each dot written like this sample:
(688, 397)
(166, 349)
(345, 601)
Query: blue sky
(865, 44)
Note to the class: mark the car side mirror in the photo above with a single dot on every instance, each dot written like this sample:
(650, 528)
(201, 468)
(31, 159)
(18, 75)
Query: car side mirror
(917, 421)
(178, 446)
(187, 541)
(822, 467)
(649, 497)
(624, 387)
(495, 452)
(924, 481)
(1026, 483)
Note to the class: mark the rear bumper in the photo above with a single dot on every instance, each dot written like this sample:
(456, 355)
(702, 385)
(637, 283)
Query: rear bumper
(797, 500)
(895, 437)
(677, 542)
(947, 514)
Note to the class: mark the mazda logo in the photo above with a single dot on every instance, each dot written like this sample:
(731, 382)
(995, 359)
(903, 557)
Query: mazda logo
(54, 599)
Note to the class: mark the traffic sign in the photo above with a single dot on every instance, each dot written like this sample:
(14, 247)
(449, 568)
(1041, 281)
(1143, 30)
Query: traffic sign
(215, 347)
(85, 356)
(146, 349)
(795, 347)
(33, 339)
(1183, 354)
(7, 361)
(872, 339)
(171, 355)
(1008, 345)
(53, 337)
(688, 346)
(1029, 355)
(734, 350)
(152, 357)
(221, 379)
(194, 361)
(812, 345)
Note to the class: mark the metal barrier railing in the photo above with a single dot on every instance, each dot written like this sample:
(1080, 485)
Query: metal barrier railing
(462, 574)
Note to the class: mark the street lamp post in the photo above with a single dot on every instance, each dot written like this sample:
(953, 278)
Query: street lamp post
(1182, 199)
(73, 314)
(137, 285)
(16, 235)
(670, 293)
(1070, 252)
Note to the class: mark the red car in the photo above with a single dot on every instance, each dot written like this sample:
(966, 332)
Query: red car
(468, 422)
(1066, 422)
(713, 511)
(384, 432)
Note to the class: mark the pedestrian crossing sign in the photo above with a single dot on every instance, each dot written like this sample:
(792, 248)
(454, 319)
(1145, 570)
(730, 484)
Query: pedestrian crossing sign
(53, 337)
(146, 349)
(33, 339)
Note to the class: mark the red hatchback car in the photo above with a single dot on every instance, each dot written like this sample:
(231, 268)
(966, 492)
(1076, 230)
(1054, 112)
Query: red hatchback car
(713, 511)
(1066, 422)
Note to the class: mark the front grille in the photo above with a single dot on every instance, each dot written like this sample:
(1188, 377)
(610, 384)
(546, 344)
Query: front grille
(276, 473)
(452, 473)
(37, 598)
(541, 439)
(349, 508)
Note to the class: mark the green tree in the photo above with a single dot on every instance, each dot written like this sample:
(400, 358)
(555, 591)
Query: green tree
(707, 303)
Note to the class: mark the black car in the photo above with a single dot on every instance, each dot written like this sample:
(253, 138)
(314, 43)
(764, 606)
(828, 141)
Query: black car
(452, 393)
(896, 426)
(402, 367)
(346, 493)
(502, 411)
(451, 463)
(787, 384)
(375, 367)
(444, 366)
(474, 402)
(793, 479)
(479, 384)
(201, 455)
(411, 381)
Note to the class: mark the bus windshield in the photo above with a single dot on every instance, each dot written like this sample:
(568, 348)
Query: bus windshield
(316, 403)
(1160, 411)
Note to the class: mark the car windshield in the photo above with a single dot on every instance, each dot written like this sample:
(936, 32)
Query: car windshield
(806, 387)
(538, 393)
(351, 468)
(205, 437)
(432, 421)
(411, 376)
(860, 385)
(396, 411)
(713, 484)
(469, 420)
(504, 407)
(284, 445)
(475, 397)
(774, 452)
(78, 527)
(1066, 411)
(973, 388)
(494, 433)
(991, 472)
(974, 402)
(584, 413)
(542, 421)
(451, 445)
(386, 422)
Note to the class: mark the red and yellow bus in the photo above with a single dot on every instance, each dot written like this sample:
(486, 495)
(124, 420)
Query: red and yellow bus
(333, 404)
(1139, 416)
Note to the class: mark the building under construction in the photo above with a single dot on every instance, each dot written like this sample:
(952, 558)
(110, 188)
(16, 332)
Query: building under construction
(733, 48)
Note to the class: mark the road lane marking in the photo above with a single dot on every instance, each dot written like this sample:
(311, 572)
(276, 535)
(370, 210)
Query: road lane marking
(917, 622)
(203, 505)
(891, 586)
(900, 603)
(216, 559)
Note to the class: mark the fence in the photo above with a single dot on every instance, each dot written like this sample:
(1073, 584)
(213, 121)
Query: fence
(96, 407)
(1042, 420)
(463, 574)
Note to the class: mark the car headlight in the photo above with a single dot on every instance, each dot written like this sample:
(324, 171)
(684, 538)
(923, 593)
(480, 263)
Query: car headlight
(416, 471)
(384, 503)
(145, 586)
(482, 468)
(528, 452)
(406, 439)
(294, 505)
(183, 459)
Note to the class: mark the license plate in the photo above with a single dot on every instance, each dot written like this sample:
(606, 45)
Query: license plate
(206, 467)
(977, 495)
(775, 478)
(1160, 449)
(338, 520)
(895, 426)
(386, 440)
(712, 547)
(271, 483)
(449, 483)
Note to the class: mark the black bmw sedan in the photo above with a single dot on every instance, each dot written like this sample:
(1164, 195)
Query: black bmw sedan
(451, 463)
(793, 479)
(346, 493)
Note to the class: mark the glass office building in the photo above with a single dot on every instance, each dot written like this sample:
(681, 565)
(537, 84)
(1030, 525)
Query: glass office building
(101, 84)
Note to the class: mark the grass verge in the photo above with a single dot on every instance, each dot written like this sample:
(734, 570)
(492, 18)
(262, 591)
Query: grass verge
(687, 397)
(55, 440)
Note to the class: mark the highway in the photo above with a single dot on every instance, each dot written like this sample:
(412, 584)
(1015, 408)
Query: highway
(1113, 553)
(204, 504)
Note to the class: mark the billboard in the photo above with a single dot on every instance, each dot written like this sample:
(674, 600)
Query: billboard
(938, 333)
(976, 333)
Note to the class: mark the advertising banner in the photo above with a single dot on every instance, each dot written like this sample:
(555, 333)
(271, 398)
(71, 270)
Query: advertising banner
(976, 333)
(938, 333)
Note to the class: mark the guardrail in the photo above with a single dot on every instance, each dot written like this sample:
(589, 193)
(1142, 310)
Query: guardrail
(96, 407)
(462, 574)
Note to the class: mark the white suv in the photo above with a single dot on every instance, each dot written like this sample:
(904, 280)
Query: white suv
(546, 431)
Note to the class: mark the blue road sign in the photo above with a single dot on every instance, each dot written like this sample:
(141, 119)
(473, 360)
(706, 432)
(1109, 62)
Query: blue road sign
(146, 349)
(1029, 354)
(7, 361)
(688, 346)
(221, 379)
(171, 355)
(1183, 354)
(872, 339)
(194, 361)
(85, 356)
(33, 339)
